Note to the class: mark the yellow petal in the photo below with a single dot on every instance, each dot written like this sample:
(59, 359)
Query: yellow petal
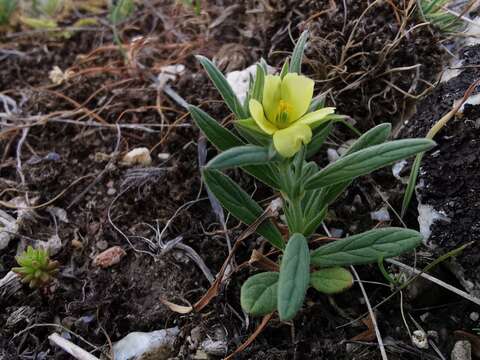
(289, 140)
(256, 111)
(271, 96)
(297, 91)
(316, 117)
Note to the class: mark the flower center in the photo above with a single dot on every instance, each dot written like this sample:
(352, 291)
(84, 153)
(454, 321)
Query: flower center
(281, 120)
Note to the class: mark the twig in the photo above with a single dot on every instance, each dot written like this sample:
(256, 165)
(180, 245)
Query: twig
(19, 155)
(372, 315)
(76, 351)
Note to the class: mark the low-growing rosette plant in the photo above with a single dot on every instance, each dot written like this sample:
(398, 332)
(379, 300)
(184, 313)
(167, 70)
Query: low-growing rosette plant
(277, 130)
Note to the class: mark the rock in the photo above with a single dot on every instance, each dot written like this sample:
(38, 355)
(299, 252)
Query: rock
(462, 350)
(474, 316)
(380, 215)
(427, 215)
(332, 155)
(419, 339)
(214, 347)
(138, 156)
(142, 346)
(240, 80)
(109, 257)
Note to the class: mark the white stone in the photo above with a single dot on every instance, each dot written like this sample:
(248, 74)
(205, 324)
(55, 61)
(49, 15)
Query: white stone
(332, 155)
(419, 339)
(462, 350)
(380, 215)
(397, 169)
(137, 156)
(240, 80)
(427, 215)
(474, 316)
(141, 346)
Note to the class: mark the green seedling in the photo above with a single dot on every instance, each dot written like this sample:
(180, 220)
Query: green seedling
(278, 130)
(433, 12)
(36, 267)
(121, 11)
(7, 7)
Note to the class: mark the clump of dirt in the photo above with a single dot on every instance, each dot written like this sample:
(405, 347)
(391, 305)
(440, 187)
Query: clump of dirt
(374, 58)
(450, 172)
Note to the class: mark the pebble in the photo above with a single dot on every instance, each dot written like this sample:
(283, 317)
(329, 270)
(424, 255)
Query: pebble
(419, 339)
(462, 350)
(109, 257)
(474, 316)
(111, 191)
(101, 245)
(139, 156)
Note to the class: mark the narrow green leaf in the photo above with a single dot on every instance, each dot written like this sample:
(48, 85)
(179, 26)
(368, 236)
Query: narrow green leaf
(240, 204)
(285, 69)
(257, 92)
(222, 138)
(367, 160)
(297, 55)
(412, 181)
(318, 139)
(258, 295)
(317, 103)
(223, 87)
(240, 156)
(366, 247)
(377, 135)
(331, 280)
(314, 221)
(250, 131)
(294, 277)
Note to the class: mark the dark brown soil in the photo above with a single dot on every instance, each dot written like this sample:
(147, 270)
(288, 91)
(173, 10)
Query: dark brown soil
(110, 205)
(451, 172)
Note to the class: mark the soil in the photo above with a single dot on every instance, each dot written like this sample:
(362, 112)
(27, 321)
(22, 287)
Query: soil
(451, 171)
(108, 204)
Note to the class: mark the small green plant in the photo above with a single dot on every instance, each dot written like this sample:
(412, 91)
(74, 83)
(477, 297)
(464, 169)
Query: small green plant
(433, 12)
(280, 128)
(36, 268)
(195, 4)
(121, 11)
(7, 7)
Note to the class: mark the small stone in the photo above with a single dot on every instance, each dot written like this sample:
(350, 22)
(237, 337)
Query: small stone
(111, 191)
(163, 156)
(109, 257)
(419, 339)
(332, 155)
(101, 245)
(138, 156)
(215, 347)
(462, 350)
(77, 244)
(380, 215)
(432, 334)
(474, 316)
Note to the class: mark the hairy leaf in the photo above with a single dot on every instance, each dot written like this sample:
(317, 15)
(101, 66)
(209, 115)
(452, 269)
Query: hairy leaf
(223, 87)
(240, 204)
(366, 247)
(367, 160)
(258, 295)
(331, 280)
(294, 277)
(240, 156)
(297, 55)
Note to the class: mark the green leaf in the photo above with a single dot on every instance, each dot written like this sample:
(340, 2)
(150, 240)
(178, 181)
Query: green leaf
(377, 135)
(318, 139)
(331, 280)
(240, 156)
(285, 69)
(294, 277)
(250, 131)
(321, 198)
(366, 247)
(317, 103)
(367, 160)
(222, 138)
(297, 55)
(257, 92)
(223, 87)
(121, 10)
(412, 181)
(240, 204)
(258, 295)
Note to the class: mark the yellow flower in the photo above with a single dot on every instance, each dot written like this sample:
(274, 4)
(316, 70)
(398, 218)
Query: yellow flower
(282, 112)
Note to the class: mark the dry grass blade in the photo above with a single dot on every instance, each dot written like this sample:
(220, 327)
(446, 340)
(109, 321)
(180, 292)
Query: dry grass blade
(76, 351)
